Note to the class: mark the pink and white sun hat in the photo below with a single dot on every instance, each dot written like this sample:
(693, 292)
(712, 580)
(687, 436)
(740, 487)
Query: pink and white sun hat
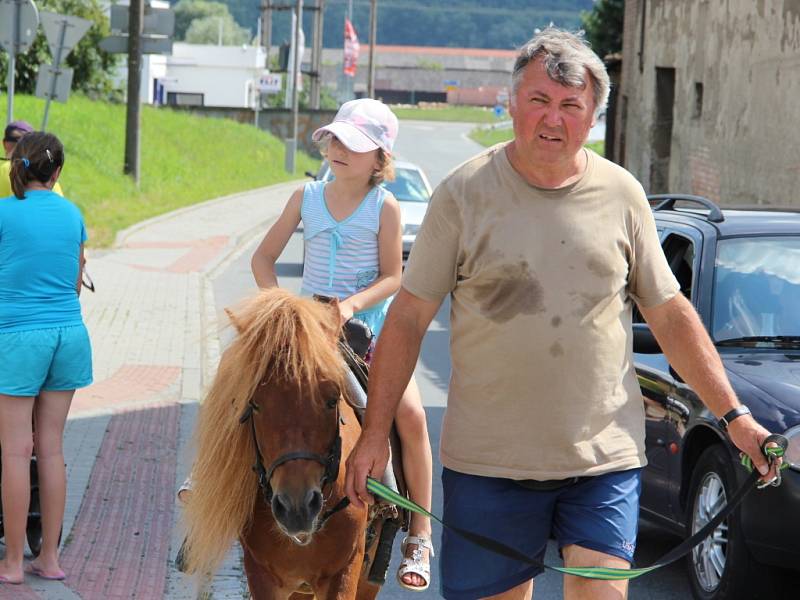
(363, 125)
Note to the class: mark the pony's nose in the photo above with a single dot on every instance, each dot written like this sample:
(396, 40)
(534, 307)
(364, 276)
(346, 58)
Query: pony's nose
(297, 515)
(313, 503)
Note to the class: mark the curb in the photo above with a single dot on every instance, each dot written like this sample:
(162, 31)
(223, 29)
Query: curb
(121, 235)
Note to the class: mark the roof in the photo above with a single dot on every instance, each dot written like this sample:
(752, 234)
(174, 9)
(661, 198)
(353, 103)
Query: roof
(742, 221)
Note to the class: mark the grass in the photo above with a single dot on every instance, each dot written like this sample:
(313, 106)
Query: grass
(489, 137)
(467, 114)
(185, 159)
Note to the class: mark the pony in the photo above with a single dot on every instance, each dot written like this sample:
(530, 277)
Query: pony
(278, 400)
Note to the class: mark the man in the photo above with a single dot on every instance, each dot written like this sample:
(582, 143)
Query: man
(543, 247)
(13, 133)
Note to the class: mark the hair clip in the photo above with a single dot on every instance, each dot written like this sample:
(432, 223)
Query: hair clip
(26, 162)
(49, 156)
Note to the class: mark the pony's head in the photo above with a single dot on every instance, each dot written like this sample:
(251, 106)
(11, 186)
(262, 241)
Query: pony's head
(276, 392)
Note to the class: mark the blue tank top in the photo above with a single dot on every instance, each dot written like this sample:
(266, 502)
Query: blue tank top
(341, 257)
(40, 241)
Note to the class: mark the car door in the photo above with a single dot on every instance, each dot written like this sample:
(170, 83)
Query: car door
(665, 407)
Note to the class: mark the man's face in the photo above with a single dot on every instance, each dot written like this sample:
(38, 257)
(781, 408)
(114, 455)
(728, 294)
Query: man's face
(551, 121)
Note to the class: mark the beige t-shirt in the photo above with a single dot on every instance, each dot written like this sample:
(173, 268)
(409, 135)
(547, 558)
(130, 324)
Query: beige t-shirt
(542, 282)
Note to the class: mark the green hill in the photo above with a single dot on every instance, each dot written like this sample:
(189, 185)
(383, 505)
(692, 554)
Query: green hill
(455, 23)
(185, 159)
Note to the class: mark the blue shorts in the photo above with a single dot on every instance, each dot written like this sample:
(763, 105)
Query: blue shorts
(599, 513)
(54, 359)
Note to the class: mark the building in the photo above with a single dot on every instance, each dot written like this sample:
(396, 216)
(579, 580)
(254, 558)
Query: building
(411, 74)
(210, 75)
(223, 76)
(708, 100)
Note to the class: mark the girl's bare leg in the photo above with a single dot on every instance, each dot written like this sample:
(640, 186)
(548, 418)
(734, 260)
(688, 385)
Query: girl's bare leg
(412, 428)
(51, 414)
(16, 440)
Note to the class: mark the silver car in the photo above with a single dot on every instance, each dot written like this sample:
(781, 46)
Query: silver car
(412, 190)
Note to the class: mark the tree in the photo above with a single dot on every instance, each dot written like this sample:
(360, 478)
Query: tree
(187, 11)
(93, 67)
(603, 25)
(209, 30)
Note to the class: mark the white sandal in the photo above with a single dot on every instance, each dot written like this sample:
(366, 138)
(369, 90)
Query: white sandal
(187, 486)
(416, 564)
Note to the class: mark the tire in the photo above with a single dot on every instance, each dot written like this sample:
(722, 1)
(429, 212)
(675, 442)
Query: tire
(720, 567)
(33, 533)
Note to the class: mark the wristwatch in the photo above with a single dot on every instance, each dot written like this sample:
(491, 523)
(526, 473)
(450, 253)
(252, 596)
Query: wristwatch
(731, 415)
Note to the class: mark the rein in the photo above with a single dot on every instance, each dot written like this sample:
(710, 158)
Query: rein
(604, 573)
(330, 461)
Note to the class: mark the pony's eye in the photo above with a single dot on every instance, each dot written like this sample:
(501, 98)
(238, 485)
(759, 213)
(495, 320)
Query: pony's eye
(332, 402)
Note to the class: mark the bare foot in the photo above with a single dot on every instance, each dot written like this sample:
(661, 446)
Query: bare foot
(46, 569)
(8, 575)
(184, 495)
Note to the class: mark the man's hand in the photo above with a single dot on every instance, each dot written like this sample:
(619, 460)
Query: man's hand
(368, 458)
(749, 436)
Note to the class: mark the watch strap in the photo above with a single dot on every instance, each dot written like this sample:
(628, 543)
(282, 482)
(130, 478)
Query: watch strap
(731, 415)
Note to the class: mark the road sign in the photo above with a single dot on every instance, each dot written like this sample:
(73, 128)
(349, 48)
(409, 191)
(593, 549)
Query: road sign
(270, 83)
(63, 32)
(22, 13)
(157, 21)
(44, 83)
(451, 84)
(118, 44)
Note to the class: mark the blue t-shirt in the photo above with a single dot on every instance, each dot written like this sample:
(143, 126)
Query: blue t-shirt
(40, 241)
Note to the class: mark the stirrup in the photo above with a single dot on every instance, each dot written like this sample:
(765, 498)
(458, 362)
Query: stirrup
(415, 564)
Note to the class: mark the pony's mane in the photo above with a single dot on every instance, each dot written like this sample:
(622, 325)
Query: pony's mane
(281, 337)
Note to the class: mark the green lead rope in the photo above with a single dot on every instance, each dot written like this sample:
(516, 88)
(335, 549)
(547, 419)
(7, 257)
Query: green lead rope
(606, 573)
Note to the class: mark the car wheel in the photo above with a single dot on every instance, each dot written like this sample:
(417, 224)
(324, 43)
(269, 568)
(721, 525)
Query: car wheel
(720, 567)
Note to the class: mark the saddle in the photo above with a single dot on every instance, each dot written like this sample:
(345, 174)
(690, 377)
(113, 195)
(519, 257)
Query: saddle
(354, 346)
(355, 342)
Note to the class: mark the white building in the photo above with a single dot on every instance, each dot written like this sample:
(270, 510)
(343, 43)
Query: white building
(208, 75)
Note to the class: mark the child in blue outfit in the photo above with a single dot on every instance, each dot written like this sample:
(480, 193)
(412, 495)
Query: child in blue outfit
(353, 252)
(44, 346)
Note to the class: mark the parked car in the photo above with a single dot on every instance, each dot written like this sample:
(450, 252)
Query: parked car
(741, 271)
(412, 190)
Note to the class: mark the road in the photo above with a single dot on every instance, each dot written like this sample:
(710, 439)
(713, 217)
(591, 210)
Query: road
(439, 147)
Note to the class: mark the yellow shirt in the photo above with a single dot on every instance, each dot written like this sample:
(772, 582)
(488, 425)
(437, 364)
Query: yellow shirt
(5, 180)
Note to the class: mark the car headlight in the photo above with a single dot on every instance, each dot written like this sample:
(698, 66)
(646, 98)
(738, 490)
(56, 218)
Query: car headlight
(792, 455)
(410, 229)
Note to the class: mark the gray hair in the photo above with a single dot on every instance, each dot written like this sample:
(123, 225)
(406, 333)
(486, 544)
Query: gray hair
(566, 58)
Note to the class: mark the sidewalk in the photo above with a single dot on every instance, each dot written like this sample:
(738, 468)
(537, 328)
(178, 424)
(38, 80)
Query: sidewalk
(154, 335)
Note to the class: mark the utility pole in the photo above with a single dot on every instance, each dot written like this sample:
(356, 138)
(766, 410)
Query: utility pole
(291, 146)
(12, 59)
(373, 39)
(266, 28)
(133, 125)
(316, 55)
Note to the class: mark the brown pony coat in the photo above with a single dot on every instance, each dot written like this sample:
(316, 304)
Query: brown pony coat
(283, 341)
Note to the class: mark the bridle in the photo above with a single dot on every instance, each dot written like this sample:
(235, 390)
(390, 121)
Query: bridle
(330, 461)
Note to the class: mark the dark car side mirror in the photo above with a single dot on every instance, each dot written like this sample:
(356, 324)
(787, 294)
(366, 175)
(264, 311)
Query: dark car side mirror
(644, 342)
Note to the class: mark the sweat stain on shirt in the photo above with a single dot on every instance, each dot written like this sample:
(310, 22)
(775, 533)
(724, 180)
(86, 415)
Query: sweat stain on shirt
(511, 291)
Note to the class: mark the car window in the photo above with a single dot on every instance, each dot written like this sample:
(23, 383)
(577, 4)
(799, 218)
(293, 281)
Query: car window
(756, 288)
(680, 255)
(679, 251)
(408, 186)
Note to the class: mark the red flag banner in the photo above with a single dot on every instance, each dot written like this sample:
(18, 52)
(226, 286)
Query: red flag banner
(350, 49)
